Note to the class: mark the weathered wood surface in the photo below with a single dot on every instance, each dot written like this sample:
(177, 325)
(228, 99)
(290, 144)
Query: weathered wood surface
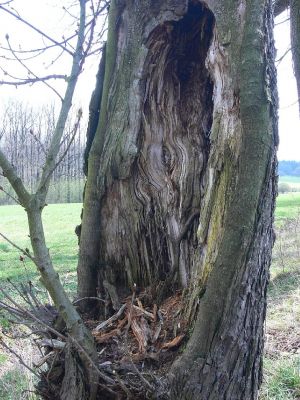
(182, 182)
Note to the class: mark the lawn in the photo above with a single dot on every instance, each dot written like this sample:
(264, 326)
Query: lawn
(287, 206)
(59, 222)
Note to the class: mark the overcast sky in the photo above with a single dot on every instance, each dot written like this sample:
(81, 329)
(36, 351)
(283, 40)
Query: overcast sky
(51, 18)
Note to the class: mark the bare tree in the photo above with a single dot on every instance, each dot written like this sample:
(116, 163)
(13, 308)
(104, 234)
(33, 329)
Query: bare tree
(34, 202)
(26, 136)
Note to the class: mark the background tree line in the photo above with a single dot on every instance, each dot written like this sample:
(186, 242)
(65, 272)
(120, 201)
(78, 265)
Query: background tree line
(291, 168)
(25, 136)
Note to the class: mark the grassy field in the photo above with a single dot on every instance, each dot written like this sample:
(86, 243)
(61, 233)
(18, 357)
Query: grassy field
(287, 206)
(59, 222)
(282, 358)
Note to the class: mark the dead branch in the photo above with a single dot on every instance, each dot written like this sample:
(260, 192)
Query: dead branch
(54, 343)
(43, 359)
(110, 320)
(92, 363)
(23, 251)
(88, 298)
(32, 316)
(9, 195)
(144, 312)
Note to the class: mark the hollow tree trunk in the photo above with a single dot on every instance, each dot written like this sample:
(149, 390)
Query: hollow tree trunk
(181, 178)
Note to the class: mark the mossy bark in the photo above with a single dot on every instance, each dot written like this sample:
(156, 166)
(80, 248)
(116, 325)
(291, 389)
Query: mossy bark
(295, 41)
(182, 176)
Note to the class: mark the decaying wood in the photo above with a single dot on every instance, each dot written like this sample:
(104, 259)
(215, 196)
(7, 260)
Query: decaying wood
(173, 343)
(105, 337)
(171, 129)
(181, 182)
(111, 319)
(53, 343)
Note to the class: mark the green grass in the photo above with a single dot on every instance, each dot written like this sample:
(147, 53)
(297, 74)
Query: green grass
(282, 379)
(59, 223)
(287, 206)
(14, 385)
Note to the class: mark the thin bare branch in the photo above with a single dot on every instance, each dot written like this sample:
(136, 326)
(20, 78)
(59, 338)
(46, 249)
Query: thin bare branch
(65, 108)
(32, 316)
(75, 130)
(282, 22)
(110, 320)
(9, 195)
(5, 3)
(38, 141)
(282, 57)
(10, 173)
(290, 105)
(19, 358)
(30, 71)
(7, 58)
(41, 50)
(76, 126)
(19, 18)
(23, 251)
(55, 59)
(30, 81)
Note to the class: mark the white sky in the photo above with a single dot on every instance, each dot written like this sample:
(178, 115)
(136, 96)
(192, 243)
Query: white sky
(49, 16)
(289, 122)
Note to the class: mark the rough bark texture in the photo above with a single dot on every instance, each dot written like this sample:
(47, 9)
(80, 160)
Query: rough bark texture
(295, 41)
(182, 177)
(280, 6)
(152, 171)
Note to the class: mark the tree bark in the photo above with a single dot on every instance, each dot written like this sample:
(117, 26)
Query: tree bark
(295, 41)
(280, 6)
(181, 179)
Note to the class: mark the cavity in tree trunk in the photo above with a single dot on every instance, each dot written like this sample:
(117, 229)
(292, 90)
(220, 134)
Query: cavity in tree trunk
(181, 179)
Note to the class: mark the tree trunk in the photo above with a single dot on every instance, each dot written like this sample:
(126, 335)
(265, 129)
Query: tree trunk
(295, 41)
(181, 179)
